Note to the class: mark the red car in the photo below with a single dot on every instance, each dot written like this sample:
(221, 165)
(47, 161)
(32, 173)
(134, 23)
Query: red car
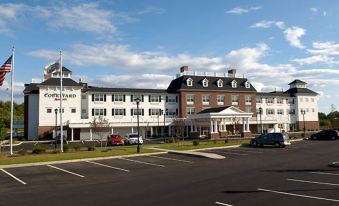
(115, 139)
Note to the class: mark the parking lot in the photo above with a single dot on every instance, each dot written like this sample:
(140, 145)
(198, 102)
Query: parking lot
(295, 175)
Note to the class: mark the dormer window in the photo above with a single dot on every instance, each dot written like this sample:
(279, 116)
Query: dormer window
(220, 83)
(189, 82)
(234, 84)
(247, 84)
(205, 83)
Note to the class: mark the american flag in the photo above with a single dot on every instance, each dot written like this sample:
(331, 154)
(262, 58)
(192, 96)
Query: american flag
(6, 67)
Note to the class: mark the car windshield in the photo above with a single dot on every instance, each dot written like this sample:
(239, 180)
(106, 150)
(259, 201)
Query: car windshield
(133, 136)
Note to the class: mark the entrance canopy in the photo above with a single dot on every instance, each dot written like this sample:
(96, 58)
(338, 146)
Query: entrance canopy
(221, 112)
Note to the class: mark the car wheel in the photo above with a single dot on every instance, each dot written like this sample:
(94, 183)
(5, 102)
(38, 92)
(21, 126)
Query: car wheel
(333, 138)
(255, 144)
(277, 144)
(314, 137)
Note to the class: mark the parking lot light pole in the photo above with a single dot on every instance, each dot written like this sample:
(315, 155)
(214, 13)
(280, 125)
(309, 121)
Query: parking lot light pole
(303, 113)
(164, 125)
(260, 113)
(137, 100)
(55, 129)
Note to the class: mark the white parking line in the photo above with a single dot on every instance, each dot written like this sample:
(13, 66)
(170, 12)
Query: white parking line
(298, 195)
(232, 153)
(72, 173)
(117, 168)
(246, 150)
(319, 183)
(17, 179)
(141, 162)
(166, 158)
(221, 203)
(324, 173)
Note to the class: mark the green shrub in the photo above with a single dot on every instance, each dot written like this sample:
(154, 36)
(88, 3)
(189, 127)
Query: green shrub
(90, 148)
(226, 141)
(56, 151)
(215, 141)
(38, 149)
(77, 147)
(22, 152)
(195, 143)
(66, 147)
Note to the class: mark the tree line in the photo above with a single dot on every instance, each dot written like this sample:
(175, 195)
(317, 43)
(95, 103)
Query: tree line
(5, 113)
(330, 120)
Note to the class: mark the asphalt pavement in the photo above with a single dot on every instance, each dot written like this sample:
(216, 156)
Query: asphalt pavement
(295, 175)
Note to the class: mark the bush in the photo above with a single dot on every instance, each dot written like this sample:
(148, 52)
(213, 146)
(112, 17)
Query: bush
(22, 152)
(195, 143)
(38, 149)
(77, 147)
(215, 141)
(90, 148)
(66, 147)
(56, 151)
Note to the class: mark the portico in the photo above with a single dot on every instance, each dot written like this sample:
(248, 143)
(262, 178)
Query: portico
(220, 122)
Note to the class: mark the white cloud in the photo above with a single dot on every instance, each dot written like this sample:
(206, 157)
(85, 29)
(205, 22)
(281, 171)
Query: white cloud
(5, 91)
(152, 10)
(240, 11)
(293, 35)
(267, 24)
(314, 10)
(325, 48)
(320, 59)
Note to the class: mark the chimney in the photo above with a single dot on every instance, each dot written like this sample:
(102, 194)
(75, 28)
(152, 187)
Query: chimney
(232, 72)
(184, 70)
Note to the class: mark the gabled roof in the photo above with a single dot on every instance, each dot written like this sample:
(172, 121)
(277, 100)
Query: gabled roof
(56, 82)
(31, 88)
(297, 81)
(293, 91)
(180, 84)
(213, 110)
(229, 111)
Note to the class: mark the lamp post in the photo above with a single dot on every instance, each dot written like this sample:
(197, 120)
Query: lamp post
(137, 100)
(164, 125)
(159, 113)
(55, 129)
(261, 127)
(303, 113)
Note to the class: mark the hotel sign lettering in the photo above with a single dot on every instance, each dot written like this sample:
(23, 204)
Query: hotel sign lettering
(56, 96)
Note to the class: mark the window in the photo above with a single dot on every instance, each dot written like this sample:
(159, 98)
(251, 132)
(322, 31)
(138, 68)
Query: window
(280, 126)
(118, 97)
(248, 109)
(205, 99)
(49, 110)
(134, 97)
(306, 99)
(307, 110)
(247, 84)
(171, 111)
(280, 101)
(99, 112)
(205, 83)
(220, 83)
(171, 98)
(312, 99)
(189, 82)
(154, 112)
(73, 110)
(99, 97)
(248, 100)
(118, 112)
(220, 99)
(269, 111)
(234, 84)
(235, 99)
(134, 112)
(270, 100)
(189, 110)
(190, 99)
(280, 111)
(259, 100)
(313, 110)
(154, 98)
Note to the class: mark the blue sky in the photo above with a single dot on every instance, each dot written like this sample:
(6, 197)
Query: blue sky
(142, 44)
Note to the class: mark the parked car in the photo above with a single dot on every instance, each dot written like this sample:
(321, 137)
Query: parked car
(275, 139)
(133, 139)
(329, 134)
(115, 139)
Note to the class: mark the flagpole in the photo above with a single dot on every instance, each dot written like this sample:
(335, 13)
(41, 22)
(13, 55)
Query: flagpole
(61, 124)
(12, 91)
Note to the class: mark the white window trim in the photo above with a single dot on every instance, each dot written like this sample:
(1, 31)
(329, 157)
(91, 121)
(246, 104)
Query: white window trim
(189, 82)
(234, 84)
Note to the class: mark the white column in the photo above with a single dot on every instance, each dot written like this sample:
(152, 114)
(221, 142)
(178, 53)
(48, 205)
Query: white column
(248, 124)
(132, 128)
(243, 125)
(90, 134)
(151, 131)
(112, 130)
(211, 127)
(72, 135)
(191, 123)
(225, 127)
(215, 126)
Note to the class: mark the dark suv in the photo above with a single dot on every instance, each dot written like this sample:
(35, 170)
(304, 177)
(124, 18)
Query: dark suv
(275, 139)
(330, 134)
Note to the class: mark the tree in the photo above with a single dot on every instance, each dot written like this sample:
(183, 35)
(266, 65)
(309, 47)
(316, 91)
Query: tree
(179, 126)
(100, 126)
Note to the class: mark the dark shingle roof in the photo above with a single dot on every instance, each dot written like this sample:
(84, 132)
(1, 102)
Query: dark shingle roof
(31, 88)
(293, 91)
(297, 81)
(273, 94)
(65, 82)
(213, 110)
(180, 84)
(122, 90)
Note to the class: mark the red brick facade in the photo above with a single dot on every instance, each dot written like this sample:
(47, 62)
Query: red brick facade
(309, 125)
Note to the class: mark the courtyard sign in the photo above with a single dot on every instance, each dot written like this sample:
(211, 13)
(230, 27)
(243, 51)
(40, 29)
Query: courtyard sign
(57, 96)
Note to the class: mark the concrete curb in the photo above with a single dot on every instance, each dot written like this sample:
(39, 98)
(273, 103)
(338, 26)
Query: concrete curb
(77, 160)
(191, 153)
(334, 164)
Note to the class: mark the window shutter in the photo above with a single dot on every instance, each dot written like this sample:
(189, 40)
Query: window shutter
(92, 97)
(166, 98)
(112, 97)
(176, 98)
(149, 98)
(104, 97)
(112, 112)
(124, 112)
(124, 98)
(159, 98)
(105, 112)
(176, 111)
(132, 100)
(149, 112)
(142, 98)
(92, 112)
(142, 112)
(131, 112)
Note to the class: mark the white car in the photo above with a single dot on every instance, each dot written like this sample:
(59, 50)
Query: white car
(133, 139)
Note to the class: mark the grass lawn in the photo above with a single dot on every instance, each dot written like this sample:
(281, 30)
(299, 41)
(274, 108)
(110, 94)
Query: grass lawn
(5, 159)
